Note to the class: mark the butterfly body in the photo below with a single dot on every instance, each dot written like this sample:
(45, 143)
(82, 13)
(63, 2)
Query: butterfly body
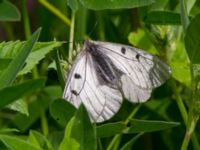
(104, 73)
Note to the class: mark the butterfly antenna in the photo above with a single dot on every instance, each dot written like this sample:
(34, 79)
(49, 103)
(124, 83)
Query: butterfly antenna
(94, 27)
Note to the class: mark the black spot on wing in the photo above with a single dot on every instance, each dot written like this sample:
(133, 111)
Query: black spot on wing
(74, 92)
(123, 50)
(137, 56)
(77, 76)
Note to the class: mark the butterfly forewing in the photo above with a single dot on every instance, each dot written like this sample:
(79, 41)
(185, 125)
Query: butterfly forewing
(101, 101)
(104, 73)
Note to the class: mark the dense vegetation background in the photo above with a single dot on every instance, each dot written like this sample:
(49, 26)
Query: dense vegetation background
(33, 64)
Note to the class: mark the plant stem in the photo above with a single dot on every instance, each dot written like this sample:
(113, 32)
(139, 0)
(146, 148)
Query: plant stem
(26, 19)
(71, 38)
(55, 11)
(59, 69)
(184, 114)
(189, 132)
(44, 123)
(179, 102)
(118, 136)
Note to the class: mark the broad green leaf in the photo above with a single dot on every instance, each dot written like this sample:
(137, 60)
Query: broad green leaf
(128, 145)
(9, 74)
(54, 92)
(83, 131)
(8, 12)
(15, 143)
(180, 64)
(73, 4)
(12, 93)
(163, 18)
(114, 4)
(67, 141)
(110, 129)
(181, 72)
(4, 63)
(149, 126)
(19, 105)
(192, 39)
(140, 40)
(39, 140)
(62, 111)
(36, 108)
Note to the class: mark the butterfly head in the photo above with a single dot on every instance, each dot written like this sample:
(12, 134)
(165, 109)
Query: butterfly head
(90, 47)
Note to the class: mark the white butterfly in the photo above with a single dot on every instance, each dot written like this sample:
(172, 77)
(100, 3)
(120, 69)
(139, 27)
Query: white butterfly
(104, 73)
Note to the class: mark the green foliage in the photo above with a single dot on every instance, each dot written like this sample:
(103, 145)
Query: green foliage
(19, 91)
(192, 39)
(83, 131)
(62, 111)
(33, 72)
(15, 143)
(138, 126)
(10, 73)
(163, 17)
(8, 11)
(115, 4)
(110, 129)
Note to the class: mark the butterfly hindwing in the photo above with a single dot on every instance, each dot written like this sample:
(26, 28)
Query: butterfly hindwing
(142, 71)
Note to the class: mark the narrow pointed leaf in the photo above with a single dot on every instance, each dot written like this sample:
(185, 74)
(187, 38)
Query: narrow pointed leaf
(9, 74)
(12, 93)
(149, 126)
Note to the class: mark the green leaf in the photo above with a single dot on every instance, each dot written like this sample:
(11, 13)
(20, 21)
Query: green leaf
(54, 92)
(9, 74)
(8, 130)
(140, 39)
(38, 53)
(192, 39)
(114, 4)
(62, 111)
(181, 72)
(149, 126)
(128, 145)
(73, 4)
(19, 105)
(4, 63)
(163, 18)
(184, 15)
(39, 140)
(180, 64)
(15, 143)
(8, 12)
(83, 131)
(110, 129)
(8, 50)
(36, 108)
(10, 94)
(195, 10)
(67, 141)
